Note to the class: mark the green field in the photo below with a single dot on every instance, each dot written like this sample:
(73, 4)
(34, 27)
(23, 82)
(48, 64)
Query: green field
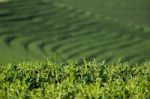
(128, 11)
(50, 39)
(3, 1)
(73, 29)
(70, 80)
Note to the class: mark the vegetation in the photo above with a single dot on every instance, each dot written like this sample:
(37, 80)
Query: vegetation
(135, 11)
(31, 30)
(1, 1)
(34, 29)
(87, 80)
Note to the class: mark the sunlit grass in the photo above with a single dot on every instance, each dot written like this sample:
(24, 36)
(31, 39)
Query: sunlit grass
(2, 1)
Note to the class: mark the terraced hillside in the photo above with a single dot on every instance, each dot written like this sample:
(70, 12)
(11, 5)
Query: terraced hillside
(128, 11)
(34, 29)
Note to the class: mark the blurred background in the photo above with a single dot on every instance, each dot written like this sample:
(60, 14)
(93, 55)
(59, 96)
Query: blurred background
(110, 30)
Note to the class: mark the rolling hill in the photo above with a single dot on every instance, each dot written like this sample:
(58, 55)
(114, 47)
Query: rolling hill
(135, 11)
(33, 30)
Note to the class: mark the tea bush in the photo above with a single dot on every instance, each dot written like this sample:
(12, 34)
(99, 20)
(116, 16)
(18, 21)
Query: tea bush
(70, 80)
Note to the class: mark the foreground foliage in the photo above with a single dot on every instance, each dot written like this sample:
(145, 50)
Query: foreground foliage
(90, 80)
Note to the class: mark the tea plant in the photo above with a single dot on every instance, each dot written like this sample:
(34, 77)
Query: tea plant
(70, 80)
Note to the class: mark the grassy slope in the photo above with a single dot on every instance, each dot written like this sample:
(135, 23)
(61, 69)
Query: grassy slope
(71, 80)
(2, 1)
(28, 31)
(129, 11)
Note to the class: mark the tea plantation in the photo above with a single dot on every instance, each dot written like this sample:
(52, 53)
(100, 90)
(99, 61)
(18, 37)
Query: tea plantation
(50, 39)
(34, 30)
(128, 11)
(70, 80)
